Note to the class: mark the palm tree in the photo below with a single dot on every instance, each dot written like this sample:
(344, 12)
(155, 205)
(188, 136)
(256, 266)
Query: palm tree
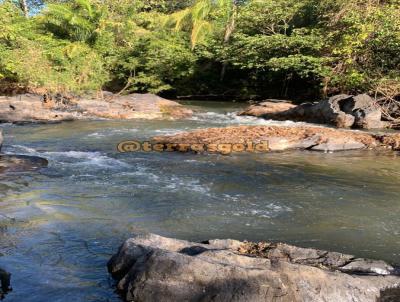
(78, 20)
(197, 18)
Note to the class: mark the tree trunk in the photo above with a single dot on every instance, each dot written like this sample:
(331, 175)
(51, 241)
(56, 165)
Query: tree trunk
(24, 7)
(228, 33)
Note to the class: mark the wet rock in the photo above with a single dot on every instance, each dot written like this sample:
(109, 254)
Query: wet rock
(29, 108)
(155, 268)
(343, 111)
(5, 282)
(1, 139)
(21, 163)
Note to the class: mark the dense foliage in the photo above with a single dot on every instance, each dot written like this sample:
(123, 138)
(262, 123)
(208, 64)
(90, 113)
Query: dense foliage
(254, 48)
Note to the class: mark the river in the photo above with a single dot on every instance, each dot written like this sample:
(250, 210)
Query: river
(60, 225)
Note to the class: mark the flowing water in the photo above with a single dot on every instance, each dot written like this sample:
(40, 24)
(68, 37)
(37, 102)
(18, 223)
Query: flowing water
(60, 225)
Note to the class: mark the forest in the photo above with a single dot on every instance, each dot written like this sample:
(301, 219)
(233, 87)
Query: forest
(234, 49)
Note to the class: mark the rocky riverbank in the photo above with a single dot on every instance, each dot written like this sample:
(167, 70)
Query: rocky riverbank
(281, 138)
(30, 108)
(342, 111)
(155, 268)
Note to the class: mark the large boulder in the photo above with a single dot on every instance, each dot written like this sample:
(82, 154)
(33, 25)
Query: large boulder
(36, 108)
(343, 111)
(268, 107)
(153, 268)
(134, 106)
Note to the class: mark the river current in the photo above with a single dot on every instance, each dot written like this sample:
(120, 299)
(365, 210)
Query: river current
(60, 225)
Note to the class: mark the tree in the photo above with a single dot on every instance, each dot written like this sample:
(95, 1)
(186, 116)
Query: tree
(202, 19)
(273, 48)
(77, 20)
(24, 7)
(165, 6)
(29, 6)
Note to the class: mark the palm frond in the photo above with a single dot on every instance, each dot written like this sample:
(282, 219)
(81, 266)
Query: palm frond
(86, 4)
(202, 9)
(180, 19)
(200, 30)
(78, 20)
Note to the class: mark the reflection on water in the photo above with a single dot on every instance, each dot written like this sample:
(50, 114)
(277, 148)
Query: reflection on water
(59, 226)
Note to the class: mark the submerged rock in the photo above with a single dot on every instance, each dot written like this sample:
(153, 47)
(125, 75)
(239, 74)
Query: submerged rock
(280, 138)
(155, 268)
(343, 111)
(20, 163)
(29, 108)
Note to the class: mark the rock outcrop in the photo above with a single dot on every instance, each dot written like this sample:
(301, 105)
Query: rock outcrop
(30, 108)
(280, 138)
(153, 268)
(343, 111)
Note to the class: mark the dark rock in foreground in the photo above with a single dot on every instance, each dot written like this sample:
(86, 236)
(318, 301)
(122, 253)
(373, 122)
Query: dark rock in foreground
(154, 268)
(5, 282)
(343, 111)
(30, 108)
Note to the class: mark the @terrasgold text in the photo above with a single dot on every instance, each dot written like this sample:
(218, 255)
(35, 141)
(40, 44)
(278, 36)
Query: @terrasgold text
(223, 148)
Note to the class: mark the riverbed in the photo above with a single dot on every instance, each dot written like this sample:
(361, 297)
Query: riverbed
(60, 225)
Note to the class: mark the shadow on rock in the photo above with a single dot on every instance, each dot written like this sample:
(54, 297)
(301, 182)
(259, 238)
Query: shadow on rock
(390, 295)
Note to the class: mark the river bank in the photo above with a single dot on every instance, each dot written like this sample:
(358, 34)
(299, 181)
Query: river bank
(36, 108)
